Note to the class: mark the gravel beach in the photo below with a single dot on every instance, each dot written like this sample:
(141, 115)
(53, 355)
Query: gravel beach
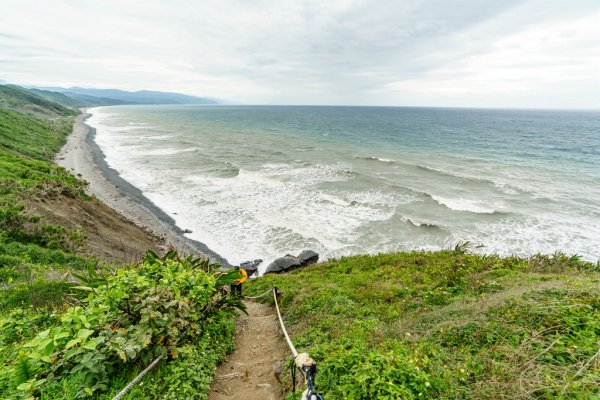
(82, 157)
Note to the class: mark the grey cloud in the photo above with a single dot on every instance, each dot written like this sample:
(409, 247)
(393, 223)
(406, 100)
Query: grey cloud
(354, 52)
(9, 36)
(388, 40)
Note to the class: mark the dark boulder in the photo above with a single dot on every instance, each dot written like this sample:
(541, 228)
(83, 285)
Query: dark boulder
(308, 257)
(251, 267)
(283, 264)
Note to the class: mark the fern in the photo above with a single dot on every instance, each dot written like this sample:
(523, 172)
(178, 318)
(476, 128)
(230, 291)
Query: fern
(24, 371)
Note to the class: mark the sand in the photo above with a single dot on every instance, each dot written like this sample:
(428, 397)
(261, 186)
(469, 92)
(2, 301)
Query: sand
(82, 157)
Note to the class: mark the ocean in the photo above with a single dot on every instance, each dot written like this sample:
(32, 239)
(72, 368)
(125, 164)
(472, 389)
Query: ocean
(264, 181)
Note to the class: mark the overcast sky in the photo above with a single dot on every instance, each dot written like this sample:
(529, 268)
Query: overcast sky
(412, 52)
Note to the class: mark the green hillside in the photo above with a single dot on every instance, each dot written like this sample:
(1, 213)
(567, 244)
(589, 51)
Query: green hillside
(414, 325)
(447, 325)
(30, 136)
(87, 100)
(56, 97)
(48, 102)
(27, 147)
(72, 327)
(19, 99)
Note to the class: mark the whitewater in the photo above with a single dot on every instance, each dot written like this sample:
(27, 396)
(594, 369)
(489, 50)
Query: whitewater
(264, 181)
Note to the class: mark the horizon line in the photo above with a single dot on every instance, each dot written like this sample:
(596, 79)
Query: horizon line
(235, 103)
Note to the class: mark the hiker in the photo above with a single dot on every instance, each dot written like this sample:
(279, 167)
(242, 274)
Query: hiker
(237, 287)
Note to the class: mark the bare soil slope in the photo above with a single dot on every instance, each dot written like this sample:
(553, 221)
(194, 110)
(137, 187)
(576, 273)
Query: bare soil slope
(108, 235)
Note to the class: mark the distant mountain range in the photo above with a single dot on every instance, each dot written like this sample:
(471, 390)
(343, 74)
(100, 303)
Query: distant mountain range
(97, 97)
(74, 97)
(58, 101)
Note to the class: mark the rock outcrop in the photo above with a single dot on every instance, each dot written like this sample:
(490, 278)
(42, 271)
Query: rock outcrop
(290, 262)
(283, 264)
(251, 267)
(308, 257)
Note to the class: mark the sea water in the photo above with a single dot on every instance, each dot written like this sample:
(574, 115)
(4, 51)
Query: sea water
(263, 181)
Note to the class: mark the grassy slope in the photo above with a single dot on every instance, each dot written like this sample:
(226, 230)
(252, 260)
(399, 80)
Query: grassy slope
(20, 99)
(36, 258)
(30, 250)
(31, 137)
(447, 325)
(27, 146)
(56, 97)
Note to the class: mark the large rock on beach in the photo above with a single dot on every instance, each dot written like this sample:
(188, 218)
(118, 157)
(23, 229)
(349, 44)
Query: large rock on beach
(283, 264)
(290, 262)
(251, 267)
(308, 257)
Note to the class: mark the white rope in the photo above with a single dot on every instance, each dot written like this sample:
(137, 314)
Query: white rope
(287, 338)
(137, 379)
(260, 295)
(302, 361)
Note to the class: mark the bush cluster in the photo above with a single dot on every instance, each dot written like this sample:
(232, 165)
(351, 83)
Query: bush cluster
(156, 308)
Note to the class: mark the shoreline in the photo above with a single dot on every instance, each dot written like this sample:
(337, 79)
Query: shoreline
(81, 156)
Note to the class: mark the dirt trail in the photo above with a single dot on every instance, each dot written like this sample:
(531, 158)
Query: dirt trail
(249, 372)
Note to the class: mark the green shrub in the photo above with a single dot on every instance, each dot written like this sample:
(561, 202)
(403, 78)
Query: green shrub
(157, 308)
(358, 373)
(189, 376)
(20, 324)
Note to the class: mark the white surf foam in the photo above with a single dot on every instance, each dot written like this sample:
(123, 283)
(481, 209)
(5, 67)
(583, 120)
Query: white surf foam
(527, 235)
(462, 204)
(265, 213)
(271, 208)
(163, 151)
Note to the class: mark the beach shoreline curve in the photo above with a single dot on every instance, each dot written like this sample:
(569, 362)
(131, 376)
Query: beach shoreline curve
(82, 157)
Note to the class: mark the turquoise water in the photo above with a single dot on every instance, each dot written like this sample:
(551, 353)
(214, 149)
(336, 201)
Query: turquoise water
(261, 181)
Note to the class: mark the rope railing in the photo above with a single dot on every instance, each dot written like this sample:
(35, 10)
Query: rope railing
(259, 296)
(137, 378)
(287, 337)
(302, 361)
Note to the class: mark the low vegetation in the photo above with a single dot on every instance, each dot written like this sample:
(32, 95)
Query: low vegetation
(447, 325)
(173, 307)
(415, 325)
(71, 327)
(29, 246)
(20, 99)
